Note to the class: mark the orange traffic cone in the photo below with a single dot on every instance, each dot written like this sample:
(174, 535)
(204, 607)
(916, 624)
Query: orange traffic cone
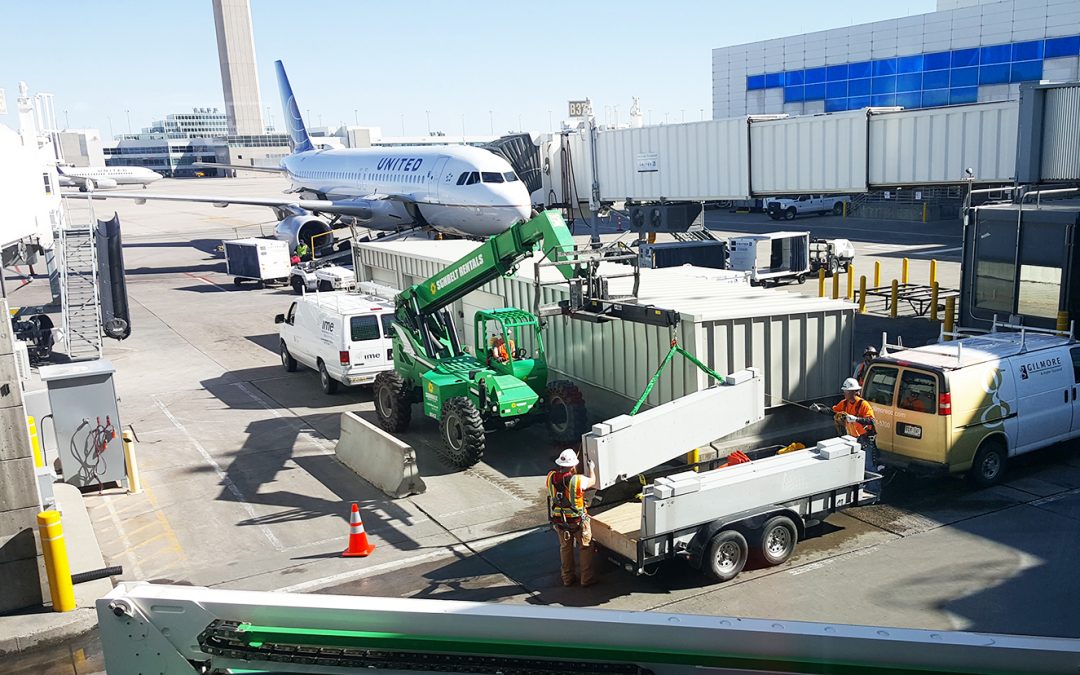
(359, 547)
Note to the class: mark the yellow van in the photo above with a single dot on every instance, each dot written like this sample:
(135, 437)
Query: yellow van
(969, 405)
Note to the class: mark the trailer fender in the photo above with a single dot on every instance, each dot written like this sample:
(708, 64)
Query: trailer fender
(747, 523)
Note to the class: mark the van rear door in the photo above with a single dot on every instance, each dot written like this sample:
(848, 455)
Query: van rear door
(367, 344)
(920, 432)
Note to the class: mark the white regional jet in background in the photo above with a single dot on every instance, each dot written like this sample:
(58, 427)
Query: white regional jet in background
(89, 178)
(451, 188)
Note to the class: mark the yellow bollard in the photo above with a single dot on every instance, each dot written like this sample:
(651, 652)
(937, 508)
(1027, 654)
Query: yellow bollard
(821, 282)
(950, 314)
(924, 212)
(134, 482)
(693, 457)
(933, 300)
(877, 274)
(850, 280)
(904, 271)
(845, 208)
(933, 271)
(51, 532)
(836, 286)
(862, 294)
(1063, 321)
(893, 297)
(35, 442)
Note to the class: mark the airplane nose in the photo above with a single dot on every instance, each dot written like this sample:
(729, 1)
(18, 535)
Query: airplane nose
(523, 212)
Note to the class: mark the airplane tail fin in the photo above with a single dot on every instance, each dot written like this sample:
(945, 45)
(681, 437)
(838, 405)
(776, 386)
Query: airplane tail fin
(294, 124)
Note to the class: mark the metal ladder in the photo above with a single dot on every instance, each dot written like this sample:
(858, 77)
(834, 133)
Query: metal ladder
(79, 293)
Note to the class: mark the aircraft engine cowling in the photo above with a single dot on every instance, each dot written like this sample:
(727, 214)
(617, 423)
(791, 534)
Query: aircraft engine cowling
(296, 228)
(105, 182)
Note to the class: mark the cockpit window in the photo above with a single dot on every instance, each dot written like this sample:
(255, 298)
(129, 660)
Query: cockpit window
(462, 178)
(474, 177)
(509, 176)
(492, 177)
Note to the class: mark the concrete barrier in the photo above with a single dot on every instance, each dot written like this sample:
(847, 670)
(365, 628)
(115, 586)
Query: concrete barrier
(378, 457)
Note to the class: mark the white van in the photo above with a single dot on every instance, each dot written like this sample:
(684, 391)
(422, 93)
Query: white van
(969, 405)
(344, 336)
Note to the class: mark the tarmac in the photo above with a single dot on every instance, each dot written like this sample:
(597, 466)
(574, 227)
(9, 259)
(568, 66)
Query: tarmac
(241, 488)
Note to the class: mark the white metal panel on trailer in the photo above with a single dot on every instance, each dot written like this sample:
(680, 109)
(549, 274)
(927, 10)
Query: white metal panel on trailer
(728, 326)
(936, 145)
(692, 161)
(815, 153)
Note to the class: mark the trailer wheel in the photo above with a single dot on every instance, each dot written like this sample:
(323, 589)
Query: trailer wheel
(989, 464)
(393, 404)
(726, 556)
(801, 279)
(566, 414)
(329, 385)
(297, 284)
(778, 539)
(287, 360)
(790, 213)
(833, 266)
(462, 431)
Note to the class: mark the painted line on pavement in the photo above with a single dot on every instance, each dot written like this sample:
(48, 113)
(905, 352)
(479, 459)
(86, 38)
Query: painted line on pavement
(225, 480)
(205, 281)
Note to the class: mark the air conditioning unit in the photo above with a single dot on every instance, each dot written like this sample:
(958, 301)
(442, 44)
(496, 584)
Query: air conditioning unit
(668, 217)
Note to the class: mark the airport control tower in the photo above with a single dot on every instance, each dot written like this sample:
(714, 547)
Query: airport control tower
(239, 76)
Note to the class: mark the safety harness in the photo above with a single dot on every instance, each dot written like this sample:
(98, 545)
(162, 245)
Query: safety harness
(566, 500)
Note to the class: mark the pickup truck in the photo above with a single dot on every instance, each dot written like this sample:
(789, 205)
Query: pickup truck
(804, 205)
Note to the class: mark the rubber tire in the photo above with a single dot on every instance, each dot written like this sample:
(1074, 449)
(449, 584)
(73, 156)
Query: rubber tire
(393, 401)
(776, 557)
(329, 385)
(801, 279)
(789, 214)
(324, 286)
(833, 266)
(297, 284)
(461, 418)
(724, 539)
(287, 361)
(238, 282)
(992, 452)
(567, 418)
(838, 209)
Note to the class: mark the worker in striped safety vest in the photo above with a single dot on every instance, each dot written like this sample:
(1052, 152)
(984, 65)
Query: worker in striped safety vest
(566, 510)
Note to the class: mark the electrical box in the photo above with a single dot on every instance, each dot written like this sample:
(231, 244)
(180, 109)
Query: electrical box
(86, 422)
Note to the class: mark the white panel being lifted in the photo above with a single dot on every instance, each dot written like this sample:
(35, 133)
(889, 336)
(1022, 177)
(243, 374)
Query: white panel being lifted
(816, 153)
(625, 446)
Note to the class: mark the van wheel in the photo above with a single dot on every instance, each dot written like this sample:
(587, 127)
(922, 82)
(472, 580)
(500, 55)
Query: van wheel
(287, 361)
(329, 384)
(297, 285)
(393, 404)
(726, 556)
(989, 464)
(566, 415)
(462, 432)
(778, 539)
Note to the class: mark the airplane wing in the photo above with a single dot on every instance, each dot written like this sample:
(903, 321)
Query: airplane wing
(359, 207)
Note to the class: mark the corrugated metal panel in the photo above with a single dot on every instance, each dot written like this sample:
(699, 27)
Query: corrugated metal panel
(819, 153)
(694, 161)
(1061, 134)
(802, 344)
(914, 147)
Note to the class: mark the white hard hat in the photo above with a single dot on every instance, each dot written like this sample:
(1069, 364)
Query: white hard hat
(850, 384)
(567, 459)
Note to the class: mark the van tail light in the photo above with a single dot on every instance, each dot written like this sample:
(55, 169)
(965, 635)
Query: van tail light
(944, 404)
(344, 358)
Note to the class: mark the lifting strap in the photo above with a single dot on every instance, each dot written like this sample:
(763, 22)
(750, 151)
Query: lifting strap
(675, 349)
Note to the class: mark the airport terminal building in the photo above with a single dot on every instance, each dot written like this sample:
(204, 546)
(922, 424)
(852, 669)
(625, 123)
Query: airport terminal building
(965, 52)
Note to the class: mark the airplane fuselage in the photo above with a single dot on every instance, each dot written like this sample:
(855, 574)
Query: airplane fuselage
(106, 176)
(458, 189)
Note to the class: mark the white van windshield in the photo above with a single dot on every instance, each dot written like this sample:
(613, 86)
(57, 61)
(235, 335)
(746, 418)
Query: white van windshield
(364, 328)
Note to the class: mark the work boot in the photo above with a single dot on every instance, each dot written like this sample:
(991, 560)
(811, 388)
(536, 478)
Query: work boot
(569, 582)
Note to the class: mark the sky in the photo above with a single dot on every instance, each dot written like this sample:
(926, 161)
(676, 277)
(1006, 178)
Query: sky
(484, 65)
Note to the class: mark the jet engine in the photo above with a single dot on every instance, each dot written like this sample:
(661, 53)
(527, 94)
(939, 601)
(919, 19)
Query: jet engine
(293, 229)
(90, 184)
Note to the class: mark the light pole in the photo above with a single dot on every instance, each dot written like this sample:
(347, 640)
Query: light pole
(491, 121)
(702, 111)
(356, 116)
(269, 118)
(463, 128)
(551, 127)
(67, 120)
(521, 126)
(428, 113)
(683, 114)
(666, 117)
(402, 124)
(616, 109)
(128, 113)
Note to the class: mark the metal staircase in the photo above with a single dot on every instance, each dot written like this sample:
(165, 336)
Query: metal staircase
(79, 293)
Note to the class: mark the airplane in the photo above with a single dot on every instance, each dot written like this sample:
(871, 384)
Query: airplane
(89, 178)
(454, 189)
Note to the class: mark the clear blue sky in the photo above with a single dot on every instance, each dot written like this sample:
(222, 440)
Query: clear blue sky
(383, 60)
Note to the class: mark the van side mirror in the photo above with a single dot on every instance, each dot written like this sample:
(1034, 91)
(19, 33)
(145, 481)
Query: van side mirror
(280, 318)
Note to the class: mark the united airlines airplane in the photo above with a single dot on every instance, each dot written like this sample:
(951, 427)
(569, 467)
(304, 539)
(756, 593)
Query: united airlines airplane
(89, 178)
(456, 189)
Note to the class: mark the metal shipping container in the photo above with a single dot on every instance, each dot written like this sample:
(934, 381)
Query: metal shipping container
(936, 145)
(692, 161)
(817, 153)
(803, 345)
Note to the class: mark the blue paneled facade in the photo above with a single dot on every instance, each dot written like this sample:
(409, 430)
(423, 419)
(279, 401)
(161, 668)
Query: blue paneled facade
(918, 80)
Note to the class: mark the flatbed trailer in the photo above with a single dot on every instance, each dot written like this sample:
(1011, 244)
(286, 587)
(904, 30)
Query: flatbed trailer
(768, 532)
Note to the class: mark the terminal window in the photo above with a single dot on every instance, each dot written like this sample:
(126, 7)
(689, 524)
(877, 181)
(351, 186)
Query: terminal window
(918, 80)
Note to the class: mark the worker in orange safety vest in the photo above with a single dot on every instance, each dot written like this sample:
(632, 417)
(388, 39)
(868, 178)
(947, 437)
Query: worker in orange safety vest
(568, 515)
